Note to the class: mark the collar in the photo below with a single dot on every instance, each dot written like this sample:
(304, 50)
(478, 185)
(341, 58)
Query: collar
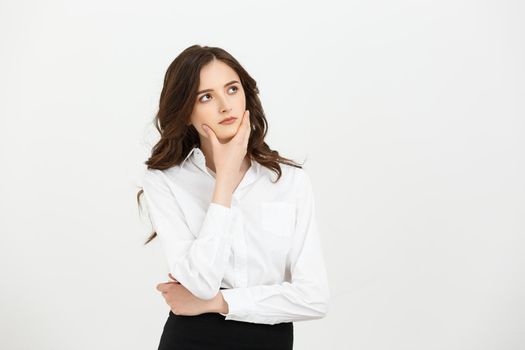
(196, 155)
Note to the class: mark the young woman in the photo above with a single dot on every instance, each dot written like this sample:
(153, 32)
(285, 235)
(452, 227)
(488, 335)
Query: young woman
(243, 249)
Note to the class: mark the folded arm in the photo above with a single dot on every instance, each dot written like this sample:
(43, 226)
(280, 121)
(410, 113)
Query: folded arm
(307, 296)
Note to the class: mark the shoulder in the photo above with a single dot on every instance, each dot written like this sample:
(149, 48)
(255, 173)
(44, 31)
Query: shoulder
(151, 175)
(294, 177)
(156, 177)
(302, 183)
(299, 176)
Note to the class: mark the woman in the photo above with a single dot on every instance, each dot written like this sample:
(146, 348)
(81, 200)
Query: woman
(243, 250)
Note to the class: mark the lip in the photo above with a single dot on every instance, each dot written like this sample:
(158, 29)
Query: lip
(228, 120)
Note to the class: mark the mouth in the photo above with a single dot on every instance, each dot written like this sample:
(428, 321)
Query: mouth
(228, 120)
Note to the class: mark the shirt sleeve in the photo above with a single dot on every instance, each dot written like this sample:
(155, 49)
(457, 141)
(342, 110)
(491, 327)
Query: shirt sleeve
(306, 297)
(198, 263)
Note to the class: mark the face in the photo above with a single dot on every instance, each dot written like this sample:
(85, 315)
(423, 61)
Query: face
(223, 97)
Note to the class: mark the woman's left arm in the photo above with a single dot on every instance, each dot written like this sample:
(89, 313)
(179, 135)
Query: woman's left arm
(307, 295)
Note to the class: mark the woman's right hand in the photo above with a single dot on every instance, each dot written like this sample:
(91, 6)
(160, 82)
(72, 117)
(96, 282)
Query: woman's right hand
(228, 158)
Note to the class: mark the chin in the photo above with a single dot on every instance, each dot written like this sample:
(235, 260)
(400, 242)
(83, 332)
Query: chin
(225, 139)
(226, 135)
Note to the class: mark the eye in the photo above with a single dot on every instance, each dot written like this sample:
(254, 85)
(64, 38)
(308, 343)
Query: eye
(233, 86)
(200, 99)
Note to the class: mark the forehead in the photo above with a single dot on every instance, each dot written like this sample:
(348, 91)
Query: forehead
(216, 74)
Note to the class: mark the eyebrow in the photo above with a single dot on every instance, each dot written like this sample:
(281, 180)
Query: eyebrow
(228, 83)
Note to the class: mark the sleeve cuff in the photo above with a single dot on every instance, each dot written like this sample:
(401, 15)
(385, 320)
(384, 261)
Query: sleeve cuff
(239, 303)
(217, 217)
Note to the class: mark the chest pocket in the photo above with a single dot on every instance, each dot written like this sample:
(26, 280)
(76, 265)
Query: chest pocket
(278, 218)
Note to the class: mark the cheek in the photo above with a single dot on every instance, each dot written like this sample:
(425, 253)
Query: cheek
(241, 96)
(200, 114)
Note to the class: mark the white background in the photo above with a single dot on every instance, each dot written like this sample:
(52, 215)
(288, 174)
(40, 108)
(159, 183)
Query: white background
(410, 115)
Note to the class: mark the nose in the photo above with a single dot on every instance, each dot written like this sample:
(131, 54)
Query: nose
(224, 106)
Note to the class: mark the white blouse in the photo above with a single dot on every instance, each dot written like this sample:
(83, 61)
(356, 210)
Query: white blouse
(265, 249)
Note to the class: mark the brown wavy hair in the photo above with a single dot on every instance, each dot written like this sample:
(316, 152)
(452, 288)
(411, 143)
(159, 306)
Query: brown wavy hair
(177, 99)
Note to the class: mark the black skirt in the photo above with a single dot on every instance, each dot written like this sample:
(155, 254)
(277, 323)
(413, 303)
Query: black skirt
(211, 331)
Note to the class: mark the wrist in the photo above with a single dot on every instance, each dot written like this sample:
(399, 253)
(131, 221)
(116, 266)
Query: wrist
(221, 306)
(222, 197)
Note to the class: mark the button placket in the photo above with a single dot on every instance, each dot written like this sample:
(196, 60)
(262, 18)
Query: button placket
(240, 248)
(243, 259)
(237, 248)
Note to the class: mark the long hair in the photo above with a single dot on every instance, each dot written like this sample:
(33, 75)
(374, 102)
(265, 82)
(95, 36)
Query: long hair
(177, 99)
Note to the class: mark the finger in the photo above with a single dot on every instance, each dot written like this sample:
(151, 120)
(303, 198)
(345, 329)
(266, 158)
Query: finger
(171, 276)
(247, 128)
(244, 127)
(211, 134)
(164, 287)
(249, 125)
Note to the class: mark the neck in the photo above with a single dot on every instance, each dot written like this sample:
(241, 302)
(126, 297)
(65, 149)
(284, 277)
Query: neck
(206, 148)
